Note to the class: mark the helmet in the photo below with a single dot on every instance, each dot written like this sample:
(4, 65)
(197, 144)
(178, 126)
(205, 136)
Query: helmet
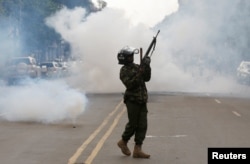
(125, 53)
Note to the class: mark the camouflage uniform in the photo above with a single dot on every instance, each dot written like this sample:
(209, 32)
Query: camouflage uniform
(135, 98)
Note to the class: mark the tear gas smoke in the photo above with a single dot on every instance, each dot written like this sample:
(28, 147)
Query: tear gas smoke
(8, 41)
(193, 53)
(35, 101)
(197, 50)
(96, 39)
(43, 101)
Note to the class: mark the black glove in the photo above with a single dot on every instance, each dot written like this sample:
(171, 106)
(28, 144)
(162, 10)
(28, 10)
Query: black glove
(146, 60)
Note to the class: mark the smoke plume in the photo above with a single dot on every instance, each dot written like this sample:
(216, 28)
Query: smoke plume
(43, 101)
(193, 53)
(199, 48)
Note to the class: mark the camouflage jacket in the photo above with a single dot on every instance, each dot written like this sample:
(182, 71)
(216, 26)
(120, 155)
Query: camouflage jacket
(134, 82)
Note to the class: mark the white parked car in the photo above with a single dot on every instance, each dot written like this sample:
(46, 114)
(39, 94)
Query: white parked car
(243, 72)
(50, 70)
(19, 68)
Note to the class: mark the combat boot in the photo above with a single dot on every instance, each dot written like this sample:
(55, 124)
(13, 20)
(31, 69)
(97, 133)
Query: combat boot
(124, 148)
(138, 153)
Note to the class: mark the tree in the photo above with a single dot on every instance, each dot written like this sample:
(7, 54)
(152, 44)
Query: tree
(27, 18)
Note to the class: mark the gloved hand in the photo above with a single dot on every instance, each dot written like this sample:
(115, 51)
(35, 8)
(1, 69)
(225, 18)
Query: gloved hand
(146, 60)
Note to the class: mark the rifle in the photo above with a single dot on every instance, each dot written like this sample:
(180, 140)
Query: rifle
(152, 45)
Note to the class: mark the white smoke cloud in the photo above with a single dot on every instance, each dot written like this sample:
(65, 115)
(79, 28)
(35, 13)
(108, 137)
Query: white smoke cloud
(43, 101)
(198, 41)
(191, 54)
(97, 39)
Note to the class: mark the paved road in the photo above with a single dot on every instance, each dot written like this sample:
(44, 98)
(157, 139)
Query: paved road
(181, 128)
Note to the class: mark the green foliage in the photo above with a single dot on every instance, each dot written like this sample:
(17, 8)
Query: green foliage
(27, 17)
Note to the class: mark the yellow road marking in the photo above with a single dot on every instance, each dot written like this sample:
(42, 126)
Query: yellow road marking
(236, 113)
(104, 138)
(218, 101)
(79, 151)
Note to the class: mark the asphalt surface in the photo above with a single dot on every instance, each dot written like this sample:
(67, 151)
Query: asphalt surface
(181, 128)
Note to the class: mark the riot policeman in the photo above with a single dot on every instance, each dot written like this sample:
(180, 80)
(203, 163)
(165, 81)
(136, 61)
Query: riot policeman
(134, 76)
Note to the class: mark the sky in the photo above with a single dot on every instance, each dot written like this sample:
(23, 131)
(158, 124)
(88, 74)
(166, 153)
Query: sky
(144, 11)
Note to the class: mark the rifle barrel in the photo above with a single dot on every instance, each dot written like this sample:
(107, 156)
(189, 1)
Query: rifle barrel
(151, 44)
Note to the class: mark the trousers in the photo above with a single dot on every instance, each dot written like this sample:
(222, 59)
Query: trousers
(137, 122)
